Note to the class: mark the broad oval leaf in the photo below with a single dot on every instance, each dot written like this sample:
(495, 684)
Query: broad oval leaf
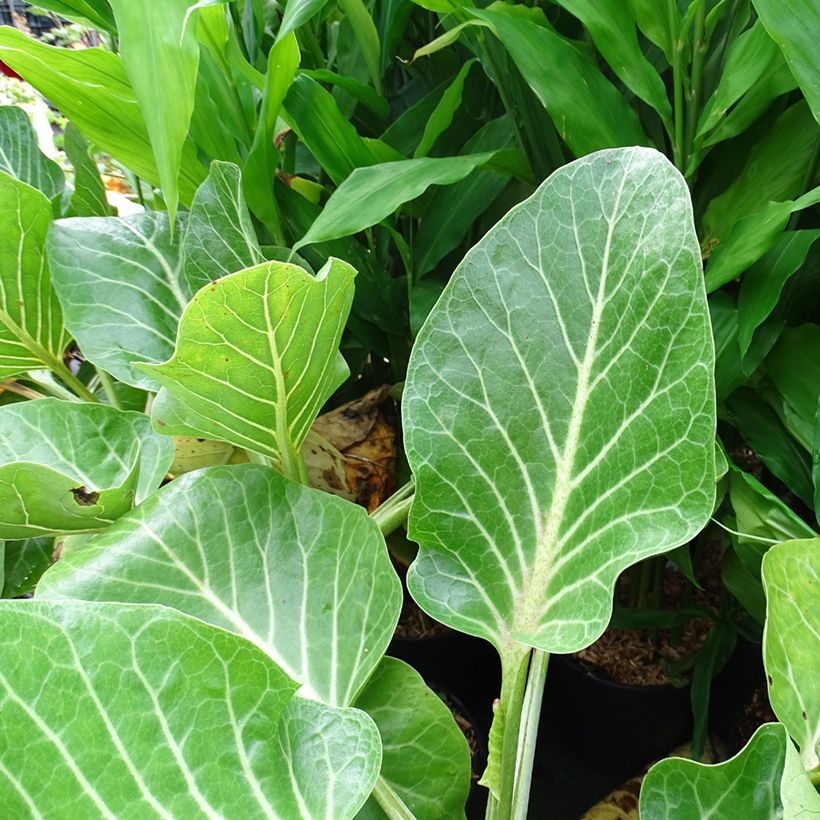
(257, 354)
(763, 781)
(426, 757)
(69, 467)
(559, 409)
(220, 238)
(134, 711)
(31, 324)
(302, 574)
(791, 641)
(20, 155)
(122, 290)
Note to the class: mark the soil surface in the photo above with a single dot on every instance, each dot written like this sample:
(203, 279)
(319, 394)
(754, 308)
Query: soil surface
(755, 712)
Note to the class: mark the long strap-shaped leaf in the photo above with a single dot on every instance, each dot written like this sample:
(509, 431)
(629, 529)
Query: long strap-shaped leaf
(559, 410)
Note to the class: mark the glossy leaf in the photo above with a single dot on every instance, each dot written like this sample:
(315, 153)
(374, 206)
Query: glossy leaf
(121, 286)
(91, 88)
(220, 238)
(585, 107)
(764, 281)
(135, 710)
(371, 194)
(426, 758)
(297, 13)
(31, 323)
(539, 477)
(653, 21)
(332, 761)
(791, 641)
(453, 210)
(300, 573)
(257, 354)
(89, 195)
(25, 561)
(794, 367)
(793, 24)
(259, 170)
(761, 782)
(161, 55)
(443, 113)
(613, 31)
(94, 13)
(68, 467)
(20, 155)
(750, 237)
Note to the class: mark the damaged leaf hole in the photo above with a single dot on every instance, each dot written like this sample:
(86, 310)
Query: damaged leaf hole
(84, 497)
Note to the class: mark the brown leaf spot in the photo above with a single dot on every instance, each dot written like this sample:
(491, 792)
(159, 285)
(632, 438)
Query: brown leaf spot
(85, 498)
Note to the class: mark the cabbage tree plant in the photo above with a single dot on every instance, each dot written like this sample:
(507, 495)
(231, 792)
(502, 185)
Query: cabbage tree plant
(218, 649)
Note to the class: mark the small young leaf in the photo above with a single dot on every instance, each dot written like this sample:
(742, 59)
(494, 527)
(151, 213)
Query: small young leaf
(257, 354)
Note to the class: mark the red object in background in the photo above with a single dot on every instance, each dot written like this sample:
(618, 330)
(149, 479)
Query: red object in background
(9, 72)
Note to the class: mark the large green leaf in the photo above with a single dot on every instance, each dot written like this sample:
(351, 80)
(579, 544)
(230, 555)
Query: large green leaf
(303, 574)
(67, 467)
(587, 110)
(121, 286)
(793, 25)
(220, 238)
(559, 409)
(31, 323)
(426, 758)
(161, 55)
(297, 13)
(791, 641)
(91, 88)
(371, 194)
(257, 354)
(20, 155)
(762, 782)
(135, 711)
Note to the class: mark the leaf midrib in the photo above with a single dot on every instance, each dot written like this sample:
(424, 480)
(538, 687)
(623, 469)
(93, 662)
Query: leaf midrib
(535, 583)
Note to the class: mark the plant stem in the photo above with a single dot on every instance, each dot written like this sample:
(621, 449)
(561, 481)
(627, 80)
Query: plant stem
(393, 513)
(11, 386)
(514, 667)
(699, 46)
(54, 363)
(677, 84)
(531, 714)
(108, 388)
(814, 776)
(392, 805)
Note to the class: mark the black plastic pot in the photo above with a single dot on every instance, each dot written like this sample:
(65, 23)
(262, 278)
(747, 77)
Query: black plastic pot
(616, 728)
(467, 667)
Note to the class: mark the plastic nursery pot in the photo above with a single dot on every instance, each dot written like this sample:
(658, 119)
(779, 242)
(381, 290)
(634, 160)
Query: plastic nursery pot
(616, 728)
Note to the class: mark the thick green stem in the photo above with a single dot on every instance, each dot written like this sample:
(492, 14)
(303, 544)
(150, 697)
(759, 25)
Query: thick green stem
(393, 513)
(677, 84)
(814, 776)
(514, 666)
(392, 805)
(530, 716)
